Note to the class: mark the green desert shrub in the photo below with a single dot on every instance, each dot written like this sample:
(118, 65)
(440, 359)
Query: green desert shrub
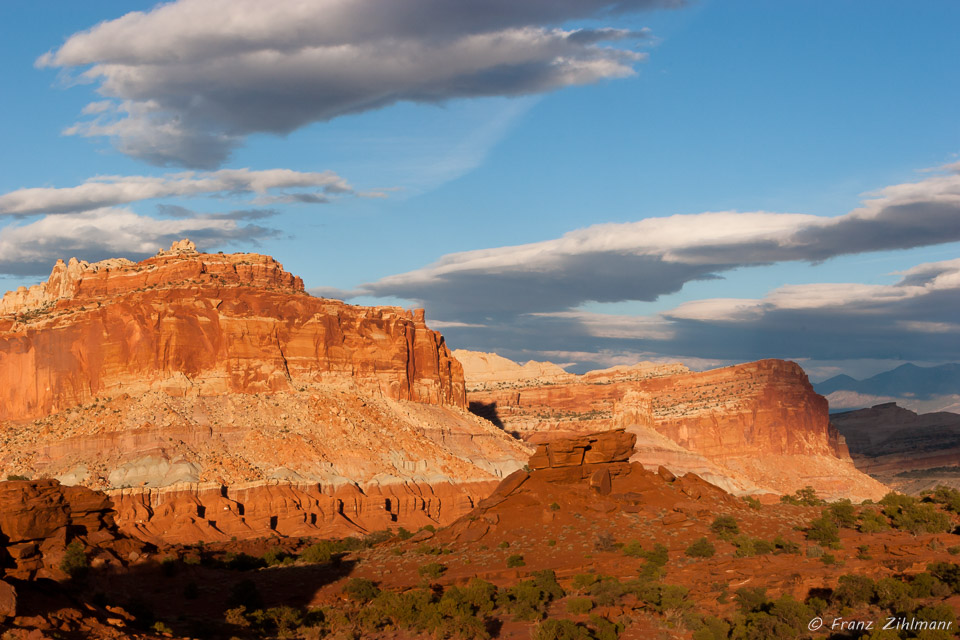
(633, 549)
(946, 572)
(892, 595)
(843, 514)
(579, 606)
(582, 581)
(560, 629)
(853, 590)
(662, 598)
(823, 531)
(529, 599)
(948, 497)
(275, 556)
(514, 561)
(604, 629)
(701, 549)
(74, 562)
(750, 599)
(872, 521)
(725, 527)
(711, 628)
(806, 497)
(909, 514)
(926, 585)
(361, 590)
(781, 545)
(606, 591)
(432, 570)
(747, 546)
(238, 562)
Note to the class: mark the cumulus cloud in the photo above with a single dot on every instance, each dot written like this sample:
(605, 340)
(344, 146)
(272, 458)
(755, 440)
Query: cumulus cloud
(185, 86)
(649, 258)
(269, 186)
(31, 249)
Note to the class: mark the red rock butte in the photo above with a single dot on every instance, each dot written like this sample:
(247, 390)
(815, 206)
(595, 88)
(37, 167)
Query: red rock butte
(186, 381)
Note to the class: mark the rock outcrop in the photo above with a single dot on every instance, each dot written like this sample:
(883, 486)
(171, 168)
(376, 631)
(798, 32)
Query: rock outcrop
(190, 370)
(38, 519)
(185, 514)
(596, 448)
(751, 428)
(908, 451)
(587, 474)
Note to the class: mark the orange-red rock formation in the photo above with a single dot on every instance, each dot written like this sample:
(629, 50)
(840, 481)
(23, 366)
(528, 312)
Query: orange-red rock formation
(189, 369)
(211, 512)
(750, 428)
(205, 324)
(38, 519)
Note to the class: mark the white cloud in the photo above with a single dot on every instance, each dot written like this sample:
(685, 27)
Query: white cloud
(850, 299)
(104, 191)
(31, 249)
(615, 326)
(646, 259)
(187, 84)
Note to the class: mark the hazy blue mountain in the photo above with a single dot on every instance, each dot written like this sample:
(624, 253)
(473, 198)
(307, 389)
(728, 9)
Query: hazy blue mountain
(905, 380)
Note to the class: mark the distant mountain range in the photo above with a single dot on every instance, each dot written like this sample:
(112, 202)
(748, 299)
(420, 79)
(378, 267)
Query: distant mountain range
(920, 389)
(906, 380)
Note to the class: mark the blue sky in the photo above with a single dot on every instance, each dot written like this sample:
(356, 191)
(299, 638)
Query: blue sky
(467, 146)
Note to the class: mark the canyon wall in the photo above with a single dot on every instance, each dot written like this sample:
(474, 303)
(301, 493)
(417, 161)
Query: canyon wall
(204, 324)
(188, 375)
(750, 428)
(905, 450)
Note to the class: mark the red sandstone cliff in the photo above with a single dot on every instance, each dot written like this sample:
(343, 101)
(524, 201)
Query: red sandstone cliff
(205, 324)
(751, 428)
(218, 370)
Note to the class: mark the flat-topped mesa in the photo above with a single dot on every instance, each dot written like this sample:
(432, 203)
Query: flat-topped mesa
(757, 427)
(196, 324)
(77, 280)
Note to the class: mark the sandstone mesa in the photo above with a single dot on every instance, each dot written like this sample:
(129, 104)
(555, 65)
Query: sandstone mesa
(215, 398)
(756, 428)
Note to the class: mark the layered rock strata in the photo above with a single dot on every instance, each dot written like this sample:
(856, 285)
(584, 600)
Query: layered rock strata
(908, 451)
(189, 372)
(751, 428)
(194, 324)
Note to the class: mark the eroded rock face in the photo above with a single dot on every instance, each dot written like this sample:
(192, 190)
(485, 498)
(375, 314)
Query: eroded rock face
(205, 324)
(38, 519)
(189, 513)
(588, 473)
(908, 451)
(192, 370)
(595, 448)
(751, 428)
